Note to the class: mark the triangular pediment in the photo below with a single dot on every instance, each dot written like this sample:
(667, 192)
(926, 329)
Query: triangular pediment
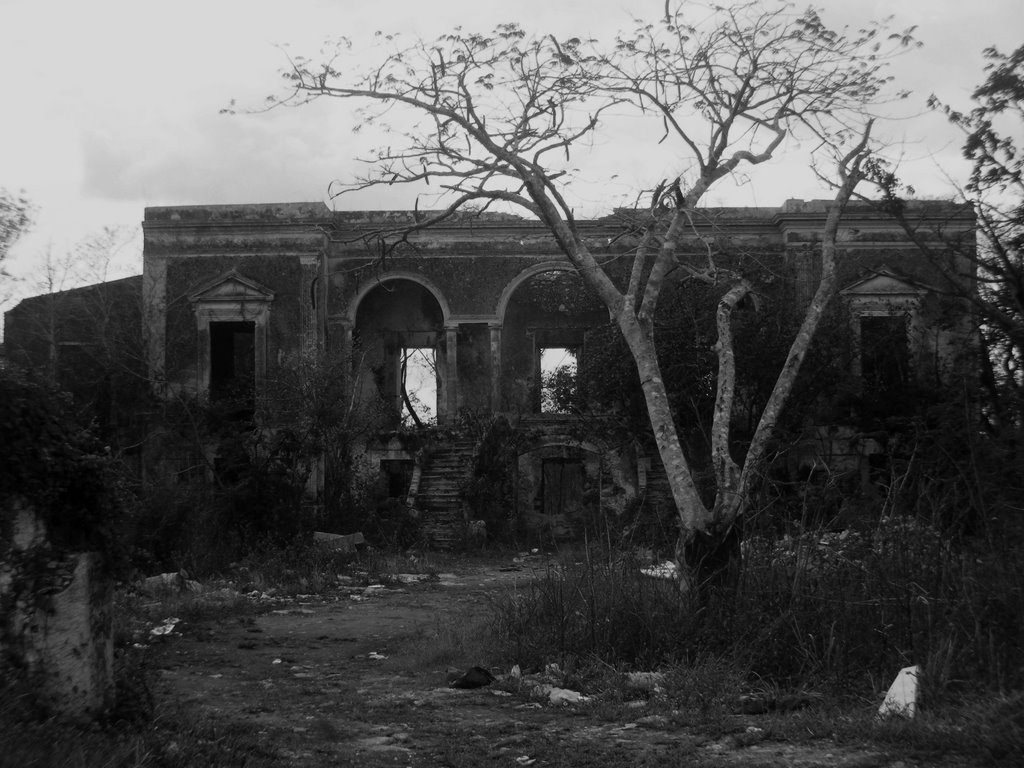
(884, 282)
(231, 286)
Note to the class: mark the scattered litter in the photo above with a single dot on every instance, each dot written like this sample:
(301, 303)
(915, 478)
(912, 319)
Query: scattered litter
(516, 672)
(559, 695)
(901, 699)
(526, 760)
(474, 677)
(411, 578)
(164, 628)
(667, 570)
(276, 661)
(552, 670)
(531, 705)
(500, 693)
(376, 656)
(217, 676)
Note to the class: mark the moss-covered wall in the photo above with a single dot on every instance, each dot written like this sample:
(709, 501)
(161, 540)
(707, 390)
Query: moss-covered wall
(280, 273)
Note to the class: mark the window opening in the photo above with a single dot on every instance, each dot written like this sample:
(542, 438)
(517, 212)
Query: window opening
(418, 384)
(559, 382)
(884, 352)
(233, 363)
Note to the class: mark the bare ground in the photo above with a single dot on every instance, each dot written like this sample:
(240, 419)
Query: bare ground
(338, 682)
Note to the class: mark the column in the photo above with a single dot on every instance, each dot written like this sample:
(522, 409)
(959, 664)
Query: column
(495, 367)
(310, 264)
(452, 372)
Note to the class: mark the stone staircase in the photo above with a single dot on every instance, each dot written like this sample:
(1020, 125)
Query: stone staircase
(439, 496)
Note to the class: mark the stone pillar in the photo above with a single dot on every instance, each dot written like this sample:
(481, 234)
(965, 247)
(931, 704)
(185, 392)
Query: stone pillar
(307, 302)
(452, 372)
(340, 335)
(495, 368)
(154, 318)
(62, 636)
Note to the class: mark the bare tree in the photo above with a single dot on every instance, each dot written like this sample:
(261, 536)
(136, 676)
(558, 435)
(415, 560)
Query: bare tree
(498, 118)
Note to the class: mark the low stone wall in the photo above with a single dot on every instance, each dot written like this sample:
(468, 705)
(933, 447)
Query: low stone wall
(57, 625)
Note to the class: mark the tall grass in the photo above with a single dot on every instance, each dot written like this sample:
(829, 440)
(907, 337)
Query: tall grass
(601, 609)
(843, 610)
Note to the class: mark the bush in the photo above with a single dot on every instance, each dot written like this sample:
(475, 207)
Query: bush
(56, 465)
(596, 610)
(842, 610)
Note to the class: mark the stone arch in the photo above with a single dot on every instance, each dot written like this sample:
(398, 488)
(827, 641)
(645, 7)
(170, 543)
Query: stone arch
(545, 313)
(391, 276)
(394, 320)
(513, 284)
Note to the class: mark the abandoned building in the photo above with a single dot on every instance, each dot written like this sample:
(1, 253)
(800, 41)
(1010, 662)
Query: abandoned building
(482, 316)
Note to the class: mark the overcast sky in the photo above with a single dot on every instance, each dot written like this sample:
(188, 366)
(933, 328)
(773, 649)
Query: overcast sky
(113, 105)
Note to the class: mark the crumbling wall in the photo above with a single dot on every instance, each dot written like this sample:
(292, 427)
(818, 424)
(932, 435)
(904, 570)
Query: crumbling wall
(57, 628)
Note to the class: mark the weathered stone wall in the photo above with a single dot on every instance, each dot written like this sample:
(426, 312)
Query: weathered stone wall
(57, 630)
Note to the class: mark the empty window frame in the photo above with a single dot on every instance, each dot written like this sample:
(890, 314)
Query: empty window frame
(233, 363)
(885, 360)
(418, 385)
(559, 379)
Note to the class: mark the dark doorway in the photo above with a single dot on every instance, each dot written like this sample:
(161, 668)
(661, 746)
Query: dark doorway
(398, 474)
(885, 353)
(233, 363)
(563, 494)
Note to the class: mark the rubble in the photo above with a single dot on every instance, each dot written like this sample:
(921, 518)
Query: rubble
(474, 677)
(165, 627)
(667, 570)
(651, 682)
(901, 698)
(340, 542)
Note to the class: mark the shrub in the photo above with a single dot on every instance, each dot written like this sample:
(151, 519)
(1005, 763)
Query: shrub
(596, 610)
(55, 464)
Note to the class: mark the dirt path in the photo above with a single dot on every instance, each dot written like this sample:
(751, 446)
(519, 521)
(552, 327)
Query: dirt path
(337, 682)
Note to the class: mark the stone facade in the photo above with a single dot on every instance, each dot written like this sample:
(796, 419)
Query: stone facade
(233, 293)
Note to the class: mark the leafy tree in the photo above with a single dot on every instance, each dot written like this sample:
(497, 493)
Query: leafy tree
(497, 119)
(16, 214)
(989, 273)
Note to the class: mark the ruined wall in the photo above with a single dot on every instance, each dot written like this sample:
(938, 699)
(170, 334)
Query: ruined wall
(474, 289)
(57, 619)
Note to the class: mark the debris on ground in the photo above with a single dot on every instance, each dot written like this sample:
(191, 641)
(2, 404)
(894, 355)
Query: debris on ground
(474, 677)
(340, 542)
(523, 557)
(165, 583)
(666, 570)
(556, 695)
(650, 682)
(901, 698)
(164, 628)
(762, 703)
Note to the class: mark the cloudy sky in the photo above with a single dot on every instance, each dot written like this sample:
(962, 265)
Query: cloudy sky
(113, 105)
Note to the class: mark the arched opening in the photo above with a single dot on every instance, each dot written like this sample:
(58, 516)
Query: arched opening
(398, 342)
(544, 332)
